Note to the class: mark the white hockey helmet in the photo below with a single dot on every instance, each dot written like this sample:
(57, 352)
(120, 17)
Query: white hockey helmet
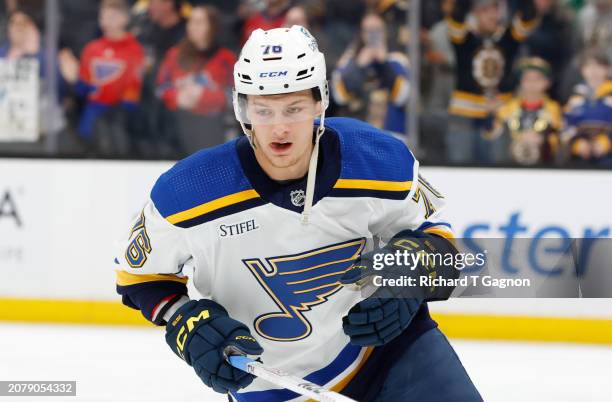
(278, 61)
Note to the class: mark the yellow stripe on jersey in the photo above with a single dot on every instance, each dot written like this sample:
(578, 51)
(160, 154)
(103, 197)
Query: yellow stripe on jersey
(213, 206)
(373, 185)
(127, 279)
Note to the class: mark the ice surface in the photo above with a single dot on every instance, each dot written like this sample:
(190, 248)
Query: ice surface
(135, 364)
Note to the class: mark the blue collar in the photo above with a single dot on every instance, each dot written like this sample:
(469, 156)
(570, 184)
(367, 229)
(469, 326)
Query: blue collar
(288, 194)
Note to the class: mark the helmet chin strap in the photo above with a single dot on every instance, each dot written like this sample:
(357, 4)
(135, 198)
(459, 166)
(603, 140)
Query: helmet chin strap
(312, 172)
(249, 134)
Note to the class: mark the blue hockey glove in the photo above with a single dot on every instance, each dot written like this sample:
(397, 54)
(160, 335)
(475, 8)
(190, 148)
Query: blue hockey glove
(200, 332)
(389, 310)
(378, 319)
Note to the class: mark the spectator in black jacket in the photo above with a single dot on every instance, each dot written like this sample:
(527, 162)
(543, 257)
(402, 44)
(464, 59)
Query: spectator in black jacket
(484, 56)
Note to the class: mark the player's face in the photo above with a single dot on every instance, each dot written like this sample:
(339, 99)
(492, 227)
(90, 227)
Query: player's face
(283, 132)
(534, 83)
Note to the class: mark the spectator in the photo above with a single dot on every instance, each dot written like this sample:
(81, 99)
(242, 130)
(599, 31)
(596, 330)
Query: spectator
(25, 27)
(296, 15)
(368, 75)
(158, 25)
(594, 26)
(230, 20)
(439, 58)
(110, 78)
(24, 36)
(530, 124)
(394, 13)
(588, 113)
(555, 27)
(272, 16)
(194, 81)
(484, 55)
(159, 28)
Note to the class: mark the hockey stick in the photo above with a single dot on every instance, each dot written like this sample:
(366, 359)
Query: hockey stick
(285, 380)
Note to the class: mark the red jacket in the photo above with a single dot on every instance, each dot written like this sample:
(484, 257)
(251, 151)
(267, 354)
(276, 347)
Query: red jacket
(112, 70)
(263, 21)
(213, 73)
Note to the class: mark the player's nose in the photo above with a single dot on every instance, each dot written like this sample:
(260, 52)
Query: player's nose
(280, 131)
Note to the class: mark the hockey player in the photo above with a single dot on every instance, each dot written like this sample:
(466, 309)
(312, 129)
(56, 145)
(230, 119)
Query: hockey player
(274, 224)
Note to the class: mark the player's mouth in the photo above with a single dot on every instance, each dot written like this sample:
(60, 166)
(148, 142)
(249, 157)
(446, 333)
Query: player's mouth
(280, 147)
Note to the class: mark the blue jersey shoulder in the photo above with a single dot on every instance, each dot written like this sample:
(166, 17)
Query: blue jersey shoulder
(374, 163)
(203, 186)
(369, 153)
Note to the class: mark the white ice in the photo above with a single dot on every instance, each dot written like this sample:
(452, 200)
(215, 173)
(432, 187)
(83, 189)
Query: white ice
(133, 364)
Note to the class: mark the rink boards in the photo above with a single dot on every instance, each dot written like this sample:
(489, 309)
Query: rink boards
(59, 220)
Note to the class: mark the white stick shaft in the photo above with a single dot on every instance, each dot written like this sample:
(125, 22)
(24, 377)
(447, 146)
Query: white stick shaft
(282, 379)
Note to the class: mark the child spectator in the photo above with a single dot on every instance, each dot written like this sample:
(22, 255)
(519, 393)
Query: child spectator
(110, 78)
(484, 55)
(368, 75)
(194, 82)
(588, 113)
(530, 123)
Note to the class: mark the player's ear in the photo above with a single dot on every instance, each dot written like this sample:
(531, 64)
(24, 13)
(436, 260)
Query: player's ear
(318, 108)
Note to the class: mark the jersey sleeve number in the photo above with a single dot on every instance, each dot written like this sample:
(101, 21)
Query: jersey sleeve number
(140, 246)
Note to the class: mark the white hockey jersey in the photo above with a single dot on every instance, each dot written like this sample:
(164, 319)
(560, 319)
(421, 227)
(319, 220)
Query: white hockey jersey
(218, 212)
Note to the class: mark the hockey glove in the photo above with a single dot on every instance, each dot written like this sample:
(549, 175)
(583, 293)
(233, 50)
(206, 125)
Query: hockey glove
(389, 310)
(200, 332)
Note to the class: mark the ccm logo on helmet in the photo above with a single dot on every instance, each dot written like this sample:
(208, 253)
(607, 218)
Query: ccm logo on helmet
(272, 74)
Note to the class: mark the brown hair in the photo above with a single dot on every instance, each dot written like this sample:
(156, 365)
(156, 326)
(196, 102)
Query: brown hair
(120, 5)
(188, 54)
(595, 54)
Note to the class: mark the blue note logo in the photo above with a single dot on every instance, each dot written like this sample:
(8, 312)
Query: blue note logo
(299, 282)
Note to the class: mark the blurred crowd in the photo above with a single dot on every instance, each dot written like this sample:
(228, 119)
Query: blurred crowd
(502, 82)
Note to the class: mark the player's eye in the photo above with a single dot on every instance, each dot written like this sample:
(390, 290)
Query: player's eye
(293, 110)
(263, 112)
